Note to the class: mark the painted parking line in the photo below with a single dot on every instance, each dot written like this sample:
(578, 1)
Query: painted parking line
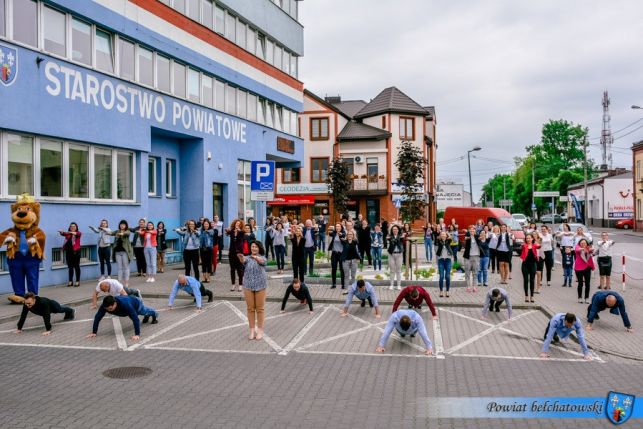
(522, 358)
(169, 328)
(185, 349)
(317, 352)
(118, 332)
(291, 345)
(437, 338)
(242, 316)
(58, 346)
(53, 325)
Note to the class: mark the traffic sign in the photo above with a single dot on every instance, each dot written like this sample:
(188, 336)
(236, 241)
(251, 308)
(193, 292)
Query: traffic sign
(506, 202)
(549, 194)
(533, 206)
(262, 180)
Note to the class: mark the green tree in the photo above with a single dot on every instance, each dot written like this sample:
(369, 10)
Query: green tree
(411, 166)
(339, 184)
(499, 187)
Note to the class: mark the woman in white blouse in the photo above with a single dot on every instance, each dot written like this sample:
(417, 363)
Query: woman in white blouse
(604, 252)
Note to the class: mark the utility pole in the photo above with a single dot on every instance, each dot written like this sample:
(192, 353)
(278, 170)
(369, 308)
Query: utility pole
(585, 179)
(504, 187)
(533, 186)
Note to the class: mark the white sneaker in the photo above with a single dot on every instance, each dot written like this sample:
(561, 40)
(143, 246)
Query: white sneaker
(152, 279)
(108, 277)
(399, 287)
(390, 288)
(101, 278)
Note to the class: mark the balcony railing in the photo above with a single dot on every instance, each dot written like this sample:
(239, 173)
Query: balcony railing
(371, 183)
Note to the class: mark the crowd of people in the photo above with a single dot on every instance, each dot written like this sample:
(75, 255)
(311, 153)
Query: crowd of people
(486, 249)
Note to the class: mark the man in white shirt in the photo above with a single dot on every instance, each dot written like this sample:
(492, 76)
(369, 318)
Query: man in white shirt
(218, 225)
(114, 288)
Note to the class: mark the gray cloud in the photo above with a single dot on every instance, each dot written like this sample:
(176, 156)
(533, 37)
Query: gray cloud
(495, 70)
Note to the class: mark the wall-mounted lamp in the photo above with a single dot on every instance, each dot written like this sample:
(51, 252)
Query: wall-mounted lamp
(220, 166)
(209, 155)
(39, 60)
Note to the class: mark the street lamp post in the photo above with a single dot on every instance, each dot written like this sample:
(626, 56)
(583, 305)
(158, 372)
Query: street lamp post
(475, 148)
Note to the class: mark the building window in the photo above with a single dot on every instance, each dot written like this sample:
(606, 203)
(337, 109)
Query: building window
(194, 86)
(638, 170)
(58, 260)
(252, 107)
(318, 129)
(126, 59)
(230, 30)
(251, 40)
(151, 176)
(407, 129)
(350, 166)
(230, 100)
(270, 52)
(290, 175)
(269, 114)
(54, 31)
(278, 57)
(286, 62)
(383, 122)
(51, 168)
(243, 189)
(219, 96)
(219, 20)
(372, 169)
(170, 178)
(3, 30)
(145, 66)
(179, 5)
(241, 34)
(293, 65)
(20, 164)
(81, 42)
(163, 73)
(242, 100)
(319, 170)
(104, 51)
(278, 118)
(261, 110)
(179, 80)
(194, 10)
(125, 175)
(25, 22)
(207, 91)
(208, 10)
(639, 209)
(261, 46)
(293, 124)
(78, 172)
(286, 120)
(102, 174)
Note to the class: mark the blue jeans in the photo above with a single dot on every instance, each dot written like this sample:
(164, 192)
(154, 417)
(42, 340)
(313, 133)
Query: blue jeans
(444, 269)
(376, 253)
(280, 253)
(567, 275)
(142, 310)
(428, 248)
(483, 271)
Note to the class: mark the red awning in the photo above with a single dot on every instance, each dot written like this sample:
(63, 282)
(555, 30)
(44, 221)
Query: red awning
(292, 200)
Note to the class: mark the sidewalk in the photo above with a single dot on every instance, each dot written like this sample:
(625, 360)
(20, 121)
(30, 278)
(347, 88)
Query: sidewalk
(608, 336)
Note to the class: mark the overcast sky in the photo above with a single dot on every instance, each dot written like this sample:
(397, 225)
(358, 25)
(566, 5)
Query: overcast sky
(494, 70)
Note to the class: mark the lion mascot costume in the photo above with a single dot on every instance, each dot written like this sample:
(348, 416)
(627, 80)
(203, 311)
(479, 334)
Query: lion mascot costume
(25, 243)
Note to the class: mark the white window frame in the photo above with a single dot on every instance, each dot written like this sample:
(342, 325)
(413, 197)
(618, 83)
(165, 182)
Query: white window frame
(153, 192)
(170, 175)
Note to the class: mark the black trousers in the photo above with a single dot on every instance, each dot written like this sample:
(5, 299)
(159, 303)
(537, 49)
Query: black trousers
(299, 268)
(141, 265)
(220, 247)
(236, 267)
(556, 338)
(528, 278)
(584, 277)
(105, 256)
(73, 264)
(365, 251)
(56, 307)
(191, 258)
(493, 259)
(549, 263)
(206, 259)
(495, 305)
(270, 249)
(335, 260)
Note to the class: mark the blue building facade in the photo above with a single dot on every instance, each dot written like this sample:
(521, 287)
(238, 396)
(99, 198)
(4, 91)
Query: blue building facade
(128, 109)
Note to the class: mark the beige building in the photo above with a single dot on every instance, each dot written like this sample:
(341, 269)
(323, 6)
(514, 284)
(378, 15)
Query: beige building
(637, 184)
(367, 136)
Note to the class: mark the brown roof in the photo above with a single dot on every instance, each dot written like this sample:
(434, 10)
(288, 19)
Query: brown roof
(391, 100)
(350, 107)
(359, 131)
(324, 103)
(431, 110)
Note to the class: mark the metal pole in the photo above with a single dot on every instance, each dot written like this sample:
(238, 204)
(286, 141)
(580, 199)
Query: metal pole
(585, 179)
(533, 186)
(470, 184)
(552, 212)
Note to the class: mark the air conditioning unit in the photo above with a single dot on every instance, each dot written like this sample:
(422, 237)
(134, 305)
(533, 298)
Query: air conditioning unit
(359, 159)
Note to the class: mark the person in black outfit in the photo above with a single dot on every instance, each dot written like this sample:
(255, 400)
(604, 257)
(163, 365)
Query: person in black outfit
(44, 307)
(529, 256)
(161, 246)
(268, 244)
(335, 247)
(138, 244)
(385, 231)
(235, 232)
(364, 242)
(298, 253)
(299, 291)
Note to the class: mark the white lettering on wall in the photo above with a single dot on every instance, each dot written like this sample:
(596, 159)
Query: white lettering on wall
(86, 88)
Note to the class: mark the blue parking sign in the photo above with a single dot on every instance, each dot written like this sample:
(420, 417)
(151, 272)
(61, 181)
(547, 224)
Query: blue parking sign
(262, 176)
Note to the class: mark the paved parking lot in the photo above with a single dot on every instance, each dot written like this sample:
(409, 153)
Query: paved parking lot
(222, 328)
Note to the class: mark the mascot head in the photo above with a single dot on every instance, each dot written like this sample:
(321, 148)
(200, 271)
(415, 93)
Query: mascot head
(25, 212)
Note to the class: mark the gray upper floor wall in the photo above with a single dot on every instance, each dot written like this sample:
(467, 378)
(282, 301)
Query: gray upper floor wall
(272, 20)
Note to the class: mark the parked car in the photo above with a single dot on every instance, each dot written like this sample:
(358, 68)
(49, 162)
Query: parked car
(466, 216)
(625, 224)
(574, 227)
(520, 218)
(548, 218)
(564, 216)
